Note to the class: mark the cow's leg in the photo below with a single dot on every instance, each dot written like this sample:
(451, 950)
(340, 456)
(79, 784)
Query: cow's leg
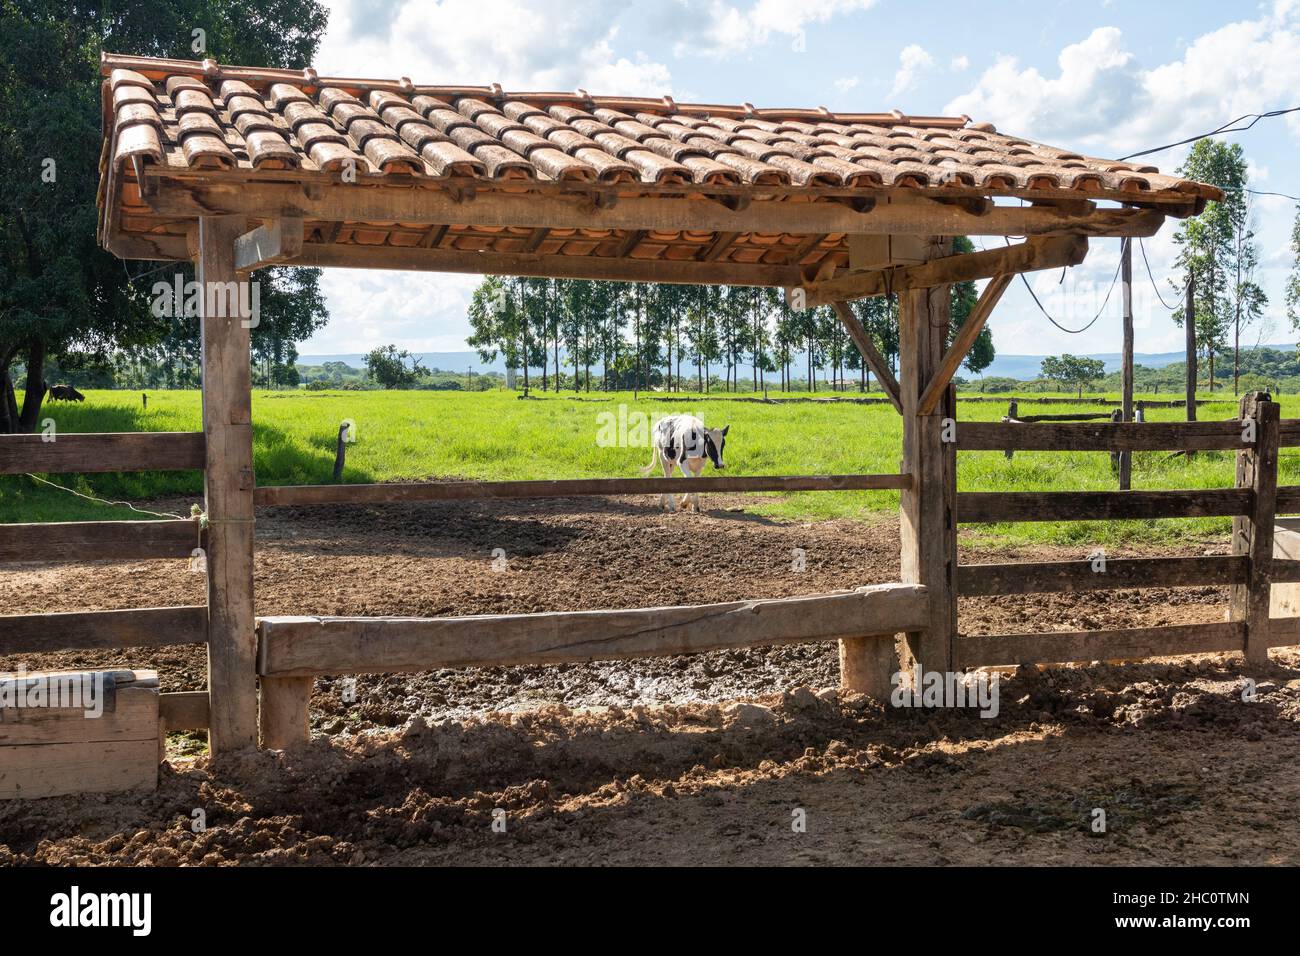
(667, 501)
(696, 468)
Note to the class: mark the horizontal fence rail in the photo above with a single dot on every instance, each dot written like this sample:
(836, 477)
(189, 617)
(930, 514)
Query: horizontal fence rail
(984, 507)
(101, 451)
(1064, 647)
(184, 710)
(396, 492)
(1101, 436)
(980, 580)
(1288, 499)
(88, 630)
(305, 646)
(97, 540)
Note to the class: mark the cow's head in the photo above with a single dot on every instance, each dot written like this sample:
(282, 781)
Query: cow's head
(715, 440)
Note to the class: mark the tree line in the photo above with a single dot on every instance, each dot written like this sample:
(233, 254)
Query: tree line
(586, 334)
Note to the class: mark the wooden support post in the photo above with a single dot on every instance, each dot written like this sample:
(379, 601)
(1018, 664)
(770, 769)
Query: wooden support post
(228, 491)
(928, 522)
(1126, 362)
(928, 526)
(284, 717)
(1252, 535)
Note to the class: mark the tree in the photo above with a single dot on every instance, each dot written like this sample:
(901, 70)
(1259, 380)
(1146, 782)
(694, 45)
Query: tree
(1209, 245)
(1293, 281)
(61, 296)
(388, 367)
(964, 296)
(1073, 370)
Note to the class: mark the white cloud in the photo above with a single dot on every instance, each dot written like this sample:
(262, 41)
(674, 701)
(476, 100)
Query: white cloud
(717, 29)
(1103, 99)
(421, 311)
(846, 83)
(521, 45)
(911, 61)
(959, 64)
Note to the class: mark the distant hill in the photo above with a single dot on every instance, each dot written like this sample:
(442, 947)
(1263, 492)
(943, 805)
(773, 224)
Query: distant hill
(1004, 366)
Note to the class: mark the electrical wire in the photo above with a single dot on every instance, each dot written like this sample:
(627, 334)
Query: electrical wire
(1229, 127)
(1155, 287)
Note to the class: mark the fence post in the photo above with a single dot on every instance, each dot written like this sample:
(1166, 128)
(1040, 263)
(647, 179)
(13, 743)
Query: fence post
(228, 490)
(1252, 535)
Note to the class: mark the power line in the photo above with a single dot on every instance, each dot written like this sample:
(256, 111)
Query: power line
(1229, 127)
(1154, 287)
(1093, 320)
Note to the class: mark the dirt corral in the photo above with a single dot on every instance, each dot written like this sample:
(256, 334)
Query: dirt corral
(711, 758)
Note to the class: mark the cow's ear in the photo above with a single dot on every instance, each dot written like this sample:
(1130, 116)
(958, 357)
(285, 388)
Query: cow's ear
(724, 430)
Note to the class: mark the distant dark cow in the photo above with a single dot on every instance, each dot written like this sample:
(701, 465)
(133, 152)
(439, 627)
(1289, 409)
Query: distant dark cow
(65, 393)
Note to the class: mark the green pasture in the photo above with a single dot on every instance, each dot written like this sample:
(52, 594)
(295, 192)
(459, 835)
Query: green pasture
(413, 435)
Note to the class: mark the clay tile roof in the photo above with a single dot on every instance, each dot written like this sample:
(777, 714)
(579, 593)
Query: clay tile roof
(179, 118)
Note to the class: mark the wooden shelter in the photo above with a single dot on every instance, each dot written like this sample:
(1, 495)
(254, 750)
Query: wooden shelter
(236, 167)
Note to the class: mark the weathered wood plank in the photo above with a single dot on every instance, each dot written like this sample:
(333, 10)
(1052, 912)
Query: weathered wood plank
(228, 488)
(962, 343)
(975, 580)
(976, 507)
(279, 240)
(97, 540)
(305, 646)
(867, 349)
(1065, 647)
(185, 199)
(1028, 256)
(1253, 533)
(184, 710)
(83, 453)
(273, 495)
(84, 630)
(1099, 436)
(87, 767)
(285, 711)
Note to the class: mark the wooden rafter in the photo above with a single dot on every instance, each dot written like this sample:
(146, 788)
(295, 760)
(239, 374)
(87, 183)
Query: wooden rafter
(630, 242)
(536, 239)
(805, 247)
(966, 336)
(434, 237)
(867, 348)
(1029, 256)
(719, 246)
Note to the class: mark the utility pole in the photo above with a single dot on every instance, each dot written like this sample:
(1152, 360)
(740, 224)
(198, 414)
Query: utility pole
(1126, 372)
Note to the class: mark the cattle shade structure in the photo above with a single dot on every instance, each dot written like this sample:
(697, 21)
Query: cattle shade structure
(237, 167)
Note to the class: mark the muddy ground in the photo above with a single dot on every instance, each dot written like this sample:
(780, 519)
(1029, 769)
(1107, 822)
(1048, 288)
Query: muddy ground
(656, 761)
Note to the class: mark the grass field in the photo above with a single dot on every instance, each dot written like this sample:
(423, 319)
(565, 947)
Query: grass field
(495, 435)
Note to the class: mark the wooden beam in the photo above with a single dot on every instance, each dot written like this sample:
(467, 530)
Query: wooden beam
(805, 247)
(306, 646)
(1126, 356)
(537, 237)
(1101, 436)
(83, 453)
(392, 492)
(691, 272)
(228, 488)
(965, 338)
(184, 710)
(433, 238)
(285, 714)
(89, 630)
(993, 506)
(97, 540)
(867, 349)
(718, 247)
(186, 199)
(979, 580)
(277, 240)
(1028, 256)
(630, 242)
(1064, 647)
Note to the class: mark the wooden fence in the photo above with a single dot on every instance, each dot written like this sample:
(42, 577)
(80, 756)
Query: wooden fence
(292, 650)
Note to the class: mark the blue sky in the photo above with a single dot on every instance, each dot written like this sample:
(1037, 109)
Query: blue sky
(1106, 78)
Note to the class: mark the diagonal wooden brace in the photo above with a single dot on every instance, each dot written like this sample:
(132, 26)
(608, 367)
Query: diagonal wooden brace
(966, 336)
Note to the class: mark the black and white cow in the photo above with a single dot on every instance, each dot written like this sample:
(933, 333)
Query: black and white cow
(682, 441)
